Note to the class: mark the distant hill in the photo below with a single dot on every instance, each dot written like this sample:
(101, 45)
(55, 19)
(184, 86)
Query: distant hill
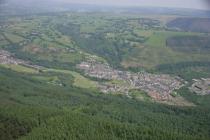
(200, 44)
(191, 24)
(23, 7)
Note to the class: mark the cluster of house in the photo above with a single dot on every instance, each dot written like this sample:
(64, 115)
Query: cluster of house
(201, 86)
(7, 58)
(3, 26)
(98, 70)
(158, 87)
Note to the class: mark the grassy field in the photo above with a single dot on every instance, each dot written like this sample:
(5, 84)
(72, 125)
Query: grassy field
(79, 80)
(3, 41)
(52, 51)
(158, 38)
(155, 52)
(140, 95)
(83, 82)
(13, 38)
(20, 68)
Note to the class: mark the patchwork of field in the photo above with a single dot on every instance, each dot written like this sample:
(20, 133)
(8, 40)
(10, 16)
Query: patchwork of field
(190, 44)
(134, 42)
(53, 99)
(155, 51)
(190, 24)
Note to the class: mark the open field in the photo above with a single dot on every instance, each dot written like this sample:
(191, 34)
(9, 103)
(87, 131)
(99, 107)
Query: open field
(21, 69)
(154, 52)
(79, 80)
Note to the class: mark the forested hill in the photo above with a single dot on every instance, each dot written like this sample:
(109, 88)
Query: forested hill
(38, 110)
(191, 24)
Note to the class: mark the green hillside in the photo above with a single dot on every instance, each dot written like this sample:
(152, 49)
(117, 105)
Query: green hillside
(50, 111)
(46, 96)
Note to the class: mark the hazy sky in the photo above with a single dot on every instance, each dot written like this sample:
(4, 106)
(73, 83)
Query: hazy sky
(198, 4)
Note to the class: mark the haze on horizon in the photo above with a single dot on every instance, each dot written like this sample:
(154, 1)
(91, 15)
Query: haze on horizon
(193, 4)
